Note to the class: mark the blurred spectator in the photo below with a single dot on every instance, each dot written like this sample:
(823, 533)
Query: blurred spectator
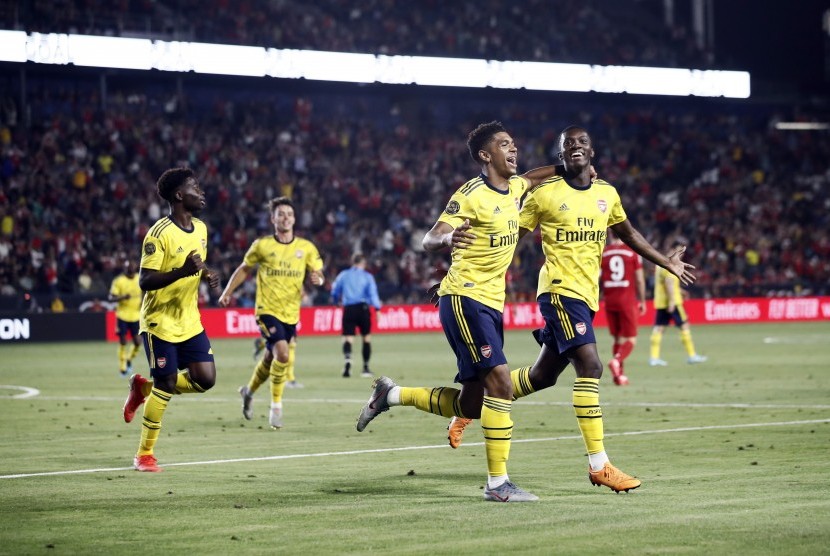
(751, 201)
(57, 305)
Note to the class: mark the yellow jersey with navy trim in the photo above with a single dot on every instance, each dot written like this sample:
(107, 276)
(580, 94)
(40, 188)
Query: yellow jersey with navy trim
(661, 297)
(172, 312)
(478, 271)
(127, 309)
(574, 222)
(281, 273)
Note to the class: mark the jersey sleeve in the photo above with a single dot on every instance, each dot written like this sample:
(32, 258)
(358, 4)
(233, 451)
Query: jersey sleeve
(252, 255)
(373, 293)
(522, 182)
(152, 253)
(617, 212)
(529, 215)
(458, 210)
(313, 259)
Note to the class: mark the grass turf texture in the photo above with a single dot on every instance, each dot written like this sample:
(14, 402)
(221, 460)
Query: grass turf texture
(733, 455)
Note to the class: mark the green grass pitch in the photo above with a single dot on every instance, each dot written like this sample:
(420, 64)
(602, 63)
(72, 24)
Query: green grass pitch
(734, 456)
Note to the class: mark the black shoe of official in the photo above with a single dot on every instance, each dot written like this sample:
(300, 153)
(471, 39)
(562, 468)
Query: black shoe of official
(346, 368)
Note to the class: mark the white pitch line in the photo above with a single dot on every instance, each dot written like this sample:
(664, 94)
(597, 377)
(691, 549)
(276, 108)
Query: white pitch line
(409, 448)
(28, 392)
(213, 399)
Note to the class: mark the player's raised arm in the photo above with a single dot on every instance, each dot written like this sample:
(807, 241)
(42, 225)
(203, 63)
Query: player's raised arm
(673, 263)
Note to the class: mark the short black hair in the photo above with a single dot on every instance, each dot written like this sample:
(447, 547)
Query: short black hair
(567, 129)
(171, 180)
(278, 201)
(358, 258)
(482, 135)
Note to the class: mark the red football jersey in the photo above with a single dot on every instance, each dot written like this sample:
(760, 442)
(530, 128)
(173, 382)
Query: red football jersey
(618, 276)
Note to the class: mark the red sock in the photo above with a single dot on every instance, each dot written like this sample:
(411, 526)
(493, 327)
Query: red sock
(615, 349)
(624, 350)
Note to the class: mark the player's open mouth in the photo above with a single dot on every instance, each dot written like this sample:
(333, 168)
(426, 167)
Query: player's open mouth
(511, 159)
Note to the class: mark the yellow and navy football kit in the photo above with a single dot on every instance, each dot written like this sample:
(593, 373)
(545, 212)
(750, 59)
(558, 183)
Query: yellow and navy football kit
(472, 293)
(171, 314)
(127, 311)
(573, 220)
(662, 316)
(279, 283)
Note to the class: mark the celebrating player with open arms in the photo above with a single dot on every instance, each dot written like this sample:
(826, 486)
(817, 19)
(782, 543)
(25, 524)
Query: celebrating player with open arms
(574, 212)
(481, 225)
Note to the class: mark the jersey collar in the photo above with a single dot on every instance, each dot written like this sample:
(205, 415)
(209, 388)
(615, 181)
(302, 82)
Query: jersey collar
(277, 239)
(488, 184)
(577, 187)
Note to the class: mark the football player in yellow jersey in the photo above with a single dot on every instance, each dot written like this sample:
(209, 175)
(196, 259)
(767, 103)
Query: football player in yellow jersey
(668, 306)
(172, 265)
(283, 260)
(125, 291)
(481, 225)
(574, 214)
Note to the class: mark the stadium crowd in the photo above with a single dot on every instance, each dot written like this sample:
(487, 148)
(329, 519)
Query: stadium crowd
(623, 32)
(370, 172)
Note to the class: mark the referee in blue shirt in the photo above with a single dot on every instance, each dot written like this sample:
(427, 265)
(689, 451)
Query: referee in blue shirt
(355, 289)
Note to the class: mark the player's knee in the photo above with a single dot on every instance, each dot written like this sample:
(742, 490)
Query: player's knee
(206, 383)
(589, 368)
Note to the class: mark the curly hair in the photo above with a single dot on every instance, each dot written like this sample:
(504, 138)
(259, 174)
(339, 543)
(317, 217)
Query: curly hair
(482, 135)
(171, 180)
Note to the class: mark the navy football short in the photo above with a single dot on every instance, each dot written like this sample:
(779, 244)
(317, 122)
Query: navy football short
(124, 328)
(475, 333)
(662, 317)
(568, 323)
(274, 330)
(166, 358)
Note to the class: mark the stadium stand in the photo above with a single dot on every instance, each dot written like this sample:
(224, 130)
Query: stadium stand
(370, 167)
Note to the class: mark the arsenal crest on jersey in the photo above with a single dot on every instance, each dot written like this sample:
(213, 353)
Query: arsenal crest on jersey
(299, 253)
(486, 351)
(602, 205)
(581, 328)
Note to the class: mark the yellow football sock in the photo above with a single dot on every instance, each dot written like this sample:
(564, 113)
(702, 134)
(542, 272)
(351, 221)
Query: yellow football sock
(122, 358)
(289, 375)
(133, 352)
(151, 423)
(521, 382)
(498, 430)
(185, 385)
(686, 340)
(656, 338)
(588, 413)
(260, 375)
(278, 372)
(438, 401)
